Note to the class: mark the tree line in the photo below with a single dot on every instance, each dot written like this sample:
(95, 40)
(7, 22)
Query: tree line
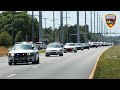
(17, 26)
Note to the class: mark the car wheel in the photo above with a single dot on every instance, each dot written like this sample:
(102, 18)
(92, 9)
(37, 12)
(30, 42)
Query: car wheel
(14, 63)
(10, 63)
(37, 62)
(47, 55)
(75, 51)
(26, 62)
(61, 54)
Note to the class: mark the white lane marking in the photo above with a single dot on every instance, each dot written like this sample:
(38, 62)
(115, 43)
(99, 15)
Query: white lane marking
(35, 66)
(49, 62)
(11, 75)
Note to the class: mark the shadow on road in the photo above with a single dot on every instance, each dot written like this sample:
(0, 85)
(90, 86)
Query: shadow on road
(17, 64)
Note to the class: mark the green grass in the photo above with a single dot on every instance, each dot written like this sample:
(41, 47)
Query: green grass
(42, 51)
(108, 66)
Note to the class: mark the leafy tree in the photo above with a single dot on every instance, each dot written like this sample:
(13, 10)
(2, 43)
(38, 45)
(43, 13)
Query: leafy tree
(5, 39)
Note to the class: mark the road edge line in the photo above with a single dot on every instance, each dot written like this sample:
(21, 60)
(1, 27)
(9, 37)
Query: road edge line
(93, 70)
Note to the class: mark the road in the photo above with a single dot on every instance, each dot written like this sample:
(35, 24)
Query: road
(70, 66)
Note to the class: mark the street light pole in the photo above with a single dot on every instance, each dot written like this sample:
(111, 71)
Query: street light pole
(78, 32)
(33, 27)
(40, 26)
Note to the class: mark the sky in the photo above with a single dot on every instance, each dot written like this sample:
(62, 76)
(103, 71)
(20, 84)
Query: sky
(72, 20)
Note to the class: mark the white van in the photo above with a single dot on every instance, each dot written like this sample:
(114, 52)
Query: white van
(40, 45)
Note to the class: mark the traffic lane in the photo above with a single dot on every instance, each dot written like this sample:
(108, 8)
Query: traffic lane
(5, 69)
(79, 66)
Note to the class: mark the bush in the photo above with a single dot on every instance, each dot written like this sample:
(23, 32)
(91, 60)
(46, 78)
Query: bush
(5, 39)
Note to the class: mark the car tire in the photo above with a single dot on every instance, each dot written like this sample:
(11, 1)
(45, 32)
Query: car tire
(47, 55)
(61, 54)
(14, 63)
(37, 62)
(26, 62)
(10, 63)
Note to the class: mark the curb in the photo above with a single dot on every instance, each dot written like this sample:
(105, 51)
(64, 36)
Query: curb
(93, 70)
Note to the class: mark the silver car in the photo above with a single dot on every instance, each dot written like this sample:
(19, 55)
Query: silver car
(21, 53)
(54, 49)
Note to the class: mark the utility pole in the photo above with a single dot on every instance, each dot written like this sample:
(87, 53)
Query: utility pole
(78, 31)
(91, 23)
(45, 26)
(54, 25)
(85, 27)
(97, 27)
(45, 21)
(66, 23)
(61, 26)
(40, 26)
(33, 27)
(94, 25)
(101, 30)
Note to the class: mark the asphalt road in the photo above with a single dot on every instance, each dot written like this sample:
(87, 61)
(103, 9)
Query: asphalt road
(70, 66)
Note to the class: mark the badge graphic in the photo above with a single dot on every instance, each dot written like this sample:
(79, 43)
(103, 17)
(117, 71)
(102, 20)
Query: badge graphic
(110, 20)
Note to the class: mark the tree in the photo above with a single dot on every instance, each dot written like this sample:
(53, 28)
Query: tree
(5, 39)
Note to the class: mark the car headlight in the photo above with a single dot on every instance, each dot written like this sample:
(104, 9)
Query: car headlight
(11, 54)
(47, 50)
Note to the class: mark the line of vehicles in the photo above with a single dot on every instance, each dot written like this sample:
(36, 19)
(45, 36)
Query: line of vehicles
(25, 52)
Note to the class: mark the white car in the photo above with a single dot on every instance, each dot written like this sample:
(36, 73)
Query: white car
(24, 52)
(70, 47)
(54, 49)
(79, 46)
(41, 45)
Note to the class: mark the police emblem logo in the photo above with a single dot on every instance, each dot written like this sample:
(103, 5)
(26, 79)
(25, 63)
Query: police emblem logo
(110, 20)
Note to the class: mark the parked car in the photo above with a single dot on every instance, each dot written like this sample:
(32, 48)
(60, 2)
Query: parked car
(54, 49)
(70, 47)
(79, 46)
(23, 53)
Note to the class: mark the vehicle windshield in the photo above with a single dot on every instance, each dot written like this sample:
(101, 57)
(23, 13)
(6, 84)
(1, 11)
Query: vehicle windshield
(22, 47)
(70, 44)
(78, 44)
(53, 46)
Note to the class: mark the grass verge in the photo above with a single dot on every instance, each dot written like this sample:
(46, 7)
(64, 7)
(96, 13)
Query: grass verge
(42, 51)
(3, 51)
(108, 66)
